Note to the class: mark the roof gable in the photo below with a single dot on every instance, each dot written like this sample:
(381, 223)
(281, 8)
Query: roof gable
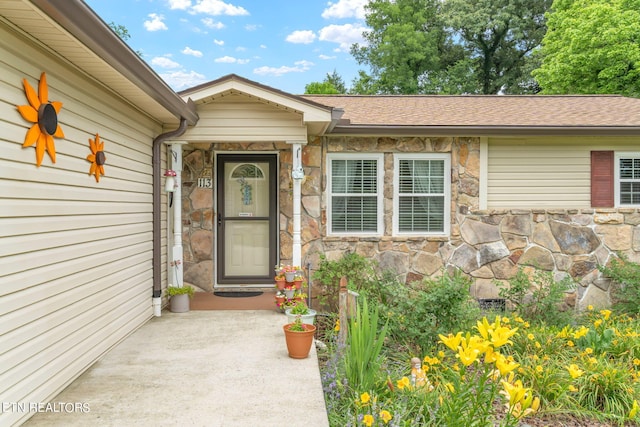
(312, 112)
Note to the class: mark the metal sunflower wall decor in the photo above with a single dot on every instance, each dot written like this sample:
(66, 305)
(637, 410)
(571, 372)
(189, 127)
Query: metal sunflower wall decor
(97, 157)
(44, 116)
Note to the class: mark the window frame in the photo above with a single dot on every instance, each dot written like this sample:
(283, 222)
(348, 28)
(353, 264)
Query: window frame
(617, 179)
(379, 157)
(447, 192)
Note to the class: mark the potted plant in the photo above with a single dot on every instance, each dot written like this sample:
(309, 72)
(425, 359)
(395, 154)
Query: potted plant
(290, 272)
(300, 310)
(179, 298)
(289, 292)
(299, 337)
(280, 299)
(297, 280)
(280, 281)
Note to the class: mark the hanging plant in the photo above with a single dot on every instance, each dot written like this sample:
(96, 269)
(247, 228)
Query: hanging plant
(97, 157)
(44, 116)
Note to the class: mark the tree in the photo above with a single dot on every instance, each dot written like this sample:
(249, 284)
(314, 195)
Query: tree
(498, 37)
(123, 33)
(592, 46)
(332, 84)
(404, 43)
(450, 46)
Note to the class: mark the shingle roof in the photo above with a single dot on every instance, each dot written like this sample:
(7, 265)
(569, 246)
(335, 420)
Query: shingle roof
(486, 111)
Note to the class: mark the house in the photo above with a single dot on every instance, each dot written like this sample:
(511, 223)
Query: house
(487, 184)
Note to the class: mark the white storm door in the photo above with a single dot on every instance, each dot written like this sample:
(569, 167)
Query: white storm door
(247, 218)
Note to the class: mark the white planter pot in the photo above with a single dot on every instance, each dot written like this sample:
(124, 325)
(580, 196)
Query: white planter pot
(309, 318)
(289, 293)
(179, 303)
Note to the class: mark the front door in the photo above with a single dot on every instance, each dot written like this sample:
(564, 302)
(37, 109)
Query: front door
(247, 218)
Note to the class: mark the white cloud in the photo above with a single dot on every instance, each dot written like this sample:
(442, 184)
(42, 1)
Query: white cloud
(300, 67)
(301, 36)
(251, 27)
(179, 4)
(164, 62)
(345, 35)
(219, 42)
(218, 7)
(210, 23)
(188, 51)
(326, 57)
(241, 49)
(155, 23)
(345, 9)
(179, 80)
(263, 46)
(231, 60)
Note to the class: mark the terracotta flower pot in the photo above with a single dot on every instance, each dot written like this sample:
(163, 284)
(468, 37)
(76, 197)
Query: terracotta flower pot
(299, 343)
(280, 283)
(297, 284)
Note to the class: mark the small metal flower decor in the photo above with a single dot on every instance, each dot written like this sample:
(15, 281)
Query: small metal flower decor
(44, 116)
(97, 157)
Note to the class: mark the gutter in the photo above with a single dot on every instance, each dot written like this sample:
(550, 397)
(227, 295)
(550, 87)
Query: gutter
(85, 25)
(157, 201)
(373, 130)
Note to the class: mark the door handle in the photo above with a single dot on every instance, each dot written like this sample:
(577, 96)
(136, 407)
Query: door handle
(219, 220)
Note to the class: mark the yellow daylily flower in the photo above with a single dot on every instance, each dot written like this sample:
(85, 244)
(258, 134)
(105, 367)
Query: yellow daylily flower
(572, 388)
(368, 420)
(634, 409)
(468, 355)
(500, 336)
(365, 398)
(404, 382)
(574, 371)
(451, 341)
(605, 314)
(385, 416)
(505, 365)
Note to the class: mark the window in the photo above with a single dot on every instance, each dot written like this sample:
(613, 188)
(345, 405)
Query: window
(627, 183)
(422, 194)
(355, 193)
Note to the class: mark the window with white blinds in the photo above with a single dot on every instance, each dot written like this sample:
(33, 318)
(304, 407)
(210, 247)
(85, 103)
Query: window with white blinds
(628, 182)
(355, 194)
(421, 198)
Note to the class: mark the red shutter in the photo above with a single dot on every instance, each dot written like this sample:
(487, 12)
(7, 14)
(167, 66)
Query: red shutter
(602, 179)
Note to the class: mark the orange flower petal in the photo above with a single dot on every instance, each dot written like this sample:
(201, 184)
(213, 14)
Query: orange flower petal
(43, 91)
(28, 113)
(32, 135)
(57, 105)
(51, 147)
(58, 133)
(32, 96)
(40, 147)
(91, 158)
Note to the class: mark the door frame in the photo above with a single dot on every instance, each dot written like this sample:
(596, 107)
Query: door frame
(273, 158)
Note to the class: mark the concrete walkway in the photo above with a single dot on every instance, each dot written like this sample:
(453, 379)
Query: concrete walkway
(201, 368)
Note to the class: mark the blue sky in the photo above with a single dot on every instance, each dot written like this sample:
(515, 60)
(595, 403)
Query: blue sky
(284, 44)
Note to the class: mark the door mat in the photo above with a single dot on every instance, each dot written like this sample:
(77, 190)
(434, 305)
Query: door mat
(231, 294)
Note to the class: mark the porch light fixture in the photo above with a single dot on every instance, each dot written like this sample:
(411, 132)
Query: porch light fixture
(170, 183)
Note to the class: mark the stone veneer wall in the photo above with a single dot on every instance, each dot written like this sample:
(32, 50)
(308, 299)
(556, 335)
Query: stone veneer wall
(487, 245)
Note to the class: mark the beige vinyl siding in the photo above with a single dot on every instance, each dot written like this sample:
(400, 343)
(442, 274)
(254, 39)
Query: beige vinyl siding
(237, 118)
(75, 255)
(545, 172)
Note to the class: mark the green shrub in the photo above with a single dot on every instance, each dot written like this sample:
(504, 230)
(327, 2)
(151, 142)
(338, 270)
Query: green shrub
(626, 277)
(538, 298)
(359, 271)
(433, 307)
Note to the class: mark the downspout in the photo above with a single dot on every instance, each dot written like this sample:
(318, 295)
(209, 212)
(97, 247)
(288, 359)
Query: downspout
(157, 200)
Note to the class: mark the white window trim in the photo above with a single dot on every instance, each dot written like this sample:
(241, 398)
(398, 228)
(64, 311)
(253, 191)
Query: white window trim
(379, 183)
(616, 176)
(447, 193)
